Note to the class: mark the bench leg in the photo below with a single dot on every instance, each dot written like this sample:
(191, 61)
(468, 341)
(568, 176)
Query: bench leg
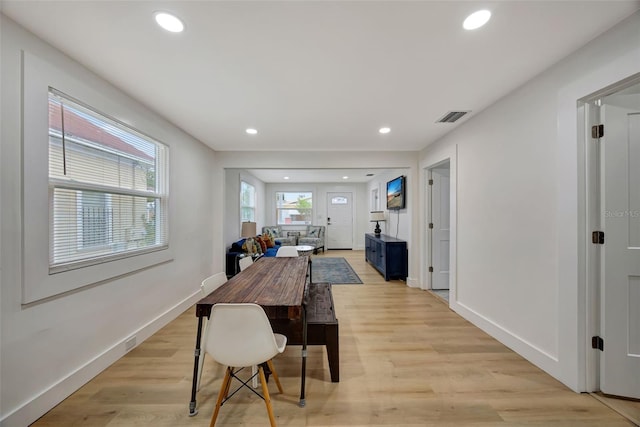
(333, 353)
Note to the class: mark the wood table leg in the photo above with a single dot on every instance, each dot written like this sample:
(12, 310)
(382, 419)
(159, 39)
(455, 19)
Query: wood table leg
(304, 356)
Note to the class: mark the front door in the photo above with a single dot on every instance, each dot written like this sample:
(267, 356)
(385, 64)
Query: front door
(620, 277)
(339, 221)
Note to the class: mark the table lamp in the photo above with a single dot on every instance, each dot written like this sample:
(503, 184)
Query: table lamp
(376, 216)
(248, 229)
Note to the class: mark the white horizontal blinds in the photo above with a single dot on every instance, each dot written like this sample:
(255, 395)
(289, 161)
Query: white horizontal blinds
(107, 186)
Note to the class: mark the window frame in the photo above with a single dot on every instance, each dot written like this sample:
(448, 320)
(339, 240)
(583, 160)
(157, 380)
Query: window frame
(115, 248)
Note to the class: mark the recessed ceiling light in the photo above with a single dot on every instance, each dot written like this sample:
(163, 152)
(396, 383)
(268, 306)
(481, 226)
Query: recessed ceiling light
(476, 20)
(251, 131)
(345, 177)
(286, 177)
(384, 130)
(169, 22)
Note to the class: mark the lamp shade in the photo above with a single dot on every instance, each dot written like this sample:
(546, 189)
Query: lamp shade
(376, 216)
(248, 229)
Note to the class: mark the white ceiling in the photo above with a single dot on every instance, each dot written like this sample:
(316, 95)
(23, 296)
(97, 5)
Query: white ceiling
(317, 75)
(317, 175)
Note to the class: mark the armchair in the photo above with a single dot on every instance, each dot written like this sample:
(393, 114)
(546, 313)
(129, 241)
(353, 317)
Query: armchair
(280, 235)
(314, 237)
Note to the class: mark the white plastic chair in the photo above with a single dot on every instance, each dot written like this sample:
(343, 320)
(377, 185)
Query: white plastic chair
(245, 262)
(287, 251)
(208, 285)
(241, 336)
(212, 283)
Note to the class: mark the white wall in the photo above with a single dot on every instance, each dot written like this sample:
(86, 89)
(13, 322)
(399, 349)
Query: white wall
(518, 214)
(398, 223)
(232, 226)
(50, 348)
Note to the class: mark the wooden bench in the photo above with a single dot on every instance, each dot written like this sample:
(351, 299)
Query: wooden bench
(322, 325)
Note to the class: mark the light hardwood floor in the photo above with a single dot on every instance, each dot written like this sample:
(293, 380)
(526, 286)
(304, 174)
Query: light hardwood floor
(406, 360)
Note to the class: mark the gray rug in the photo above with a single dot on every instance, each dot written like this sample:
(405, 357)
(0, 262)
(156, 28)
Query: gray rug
(333, 270)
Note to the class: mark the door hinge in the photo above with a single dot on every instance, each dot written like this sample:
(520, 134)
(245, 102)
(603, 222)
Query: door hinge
(597, 237)
(430, 225)
(597, 343)
(430, 182)
(430, 269)
(597, 131)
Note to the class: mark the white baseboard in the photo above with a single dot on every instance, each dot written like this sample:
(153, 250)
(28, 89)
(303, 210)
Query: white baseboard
(413, 283)
(542, 359)
(34, 408)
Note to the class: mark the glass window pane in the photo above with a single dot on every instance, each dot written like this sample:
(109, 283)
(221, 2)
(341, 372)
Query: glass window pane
(295, 208)
(338, 200)
(89, 224)
(94, 154)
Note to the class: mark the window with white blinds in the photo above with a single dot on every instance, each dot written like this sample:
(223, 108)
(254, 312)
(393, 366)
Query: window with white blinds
(107, 187)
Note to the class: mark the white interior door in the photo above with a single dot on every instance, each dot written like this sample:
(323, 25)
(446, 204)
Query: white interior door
(440, 214)
(620, 280)
(339, 221)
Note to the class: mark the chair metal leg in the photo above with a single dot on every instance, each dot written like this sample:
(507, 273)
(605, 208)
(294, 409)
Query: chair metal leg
(201, 361)
(224, 389)
(254, 381)
(267, 398)
(275, 375)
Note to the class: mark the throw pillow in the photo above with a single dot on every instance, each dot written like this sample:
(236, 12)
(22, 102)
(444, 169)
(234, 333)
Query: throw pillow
(263, 244)
(249, 246)
(269, 240)
(314, 232)
(274, 231)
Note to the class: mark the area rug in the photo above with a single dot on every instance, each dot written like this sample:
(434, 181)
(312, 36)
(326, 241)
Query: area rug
(333, 270)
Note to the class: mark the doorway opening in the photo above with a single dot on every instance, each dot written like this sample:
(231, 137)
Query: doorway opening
(439, 228)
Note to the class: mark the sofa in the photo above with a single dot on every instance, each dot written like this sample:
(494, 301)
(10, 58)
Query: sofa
(279, 234)
(314, 236)
(250, 246)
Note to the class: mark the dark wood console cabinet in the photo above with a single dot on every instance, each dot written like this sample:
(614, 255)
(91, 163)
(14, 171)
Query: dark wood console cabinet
(388, 255)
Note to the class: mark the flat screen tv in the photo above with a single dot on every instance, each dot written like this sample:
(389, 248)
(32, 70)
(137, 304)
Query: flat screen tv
(396, 193)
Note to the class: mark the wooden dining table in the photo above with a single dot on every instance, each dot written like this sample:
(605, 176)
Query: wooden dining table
(277, 285)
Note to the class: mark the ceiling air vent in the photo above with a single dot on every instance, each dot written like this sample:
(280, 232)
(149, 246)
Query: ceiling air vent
(452, 116)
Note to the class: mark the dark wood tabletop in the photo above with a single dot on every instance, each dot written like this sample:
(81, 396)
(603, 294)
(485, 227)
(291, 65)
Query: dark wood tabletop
(276, 284)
